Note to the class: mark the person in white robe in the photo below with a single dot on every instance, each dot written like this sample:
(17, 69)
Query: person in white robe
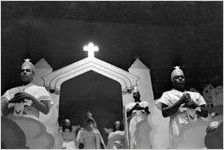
(27, 100)
(88, 137)
(137, 120)
(68, 135)
(23, 105)
(116, 138)
(183, 107)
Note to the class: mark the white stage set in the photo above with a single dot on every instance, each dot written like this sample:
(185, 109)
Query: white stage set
(137, 75)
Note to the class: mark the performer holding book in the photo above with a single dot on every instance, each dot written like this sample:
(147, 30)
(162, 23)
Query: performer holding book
(26, 100)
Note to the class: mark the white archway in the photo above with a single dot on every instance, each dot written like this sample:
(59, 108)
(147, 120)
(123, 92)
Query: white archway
(54, 80)
(138, 74)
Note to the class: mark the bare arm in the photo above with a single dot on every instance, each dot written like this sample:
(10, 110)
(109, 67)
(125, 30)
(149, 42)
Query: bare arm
(5, 109)
(42, 106)
(203, 112)
(129, 113)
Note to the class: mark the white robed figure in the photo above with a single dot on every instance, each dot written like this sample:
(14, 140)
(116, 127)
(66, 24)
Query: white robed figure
(89, 137)
(186, 109)
(27, 100)
(116, 138)
(22, 106)
(137, 122)
(68, 135)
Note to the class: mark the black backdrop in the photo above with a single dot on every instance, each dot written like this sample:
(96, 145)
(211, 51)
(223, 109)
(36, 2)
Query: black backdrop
(95, 93)
(162, 34)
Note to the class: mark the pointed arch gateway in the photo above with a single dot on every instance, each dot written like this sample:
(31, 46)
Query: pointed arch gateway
(55, 80)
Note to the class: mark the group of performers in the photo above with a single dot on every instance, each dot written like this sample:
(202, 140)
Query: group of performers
(76, 137)
(89, 137)
(182, 106)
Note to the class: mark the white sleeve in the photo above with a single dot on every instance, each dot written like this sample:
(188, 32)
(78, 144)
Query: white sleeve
(163, 100)
(201, 100)
(8, 95)
(44, 95)
(144, 104)
(129, 106)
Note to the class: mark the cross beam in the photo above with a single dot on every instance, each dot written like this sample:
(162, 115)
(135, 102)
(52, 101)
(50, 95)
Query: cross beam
(91, 49)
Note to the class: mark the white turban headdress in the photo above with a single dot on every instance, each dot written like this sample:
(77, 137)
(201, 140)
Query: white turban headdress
(27, 64)
(176, 71)
(135, 90)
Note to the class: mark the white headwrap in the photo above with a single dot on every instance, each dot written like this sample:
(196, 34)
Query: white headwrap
(135, 90)
(176, 71)
(27, 64)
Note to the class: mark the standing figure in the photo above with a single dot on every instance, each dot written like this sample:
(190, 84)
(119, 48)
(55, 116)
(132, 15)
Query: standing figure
(116, 139)
(137, 120)
(26, 100)
(89, 115)
(183, 107)
(23, 105)
(68, 135)
(88, 137)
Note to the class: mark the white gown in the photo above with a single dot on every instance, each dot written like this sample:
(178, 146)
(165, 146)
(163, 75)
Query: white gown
(139, 129)
(116, 140)
(69, 140)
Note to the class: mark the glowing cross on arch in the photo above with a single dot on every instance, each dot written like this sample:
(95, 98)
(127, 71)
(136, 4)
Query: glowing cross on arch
(91, 48)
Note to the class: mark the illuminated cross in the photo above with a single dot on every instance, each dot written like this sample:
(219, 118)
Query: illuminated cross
(91, 48)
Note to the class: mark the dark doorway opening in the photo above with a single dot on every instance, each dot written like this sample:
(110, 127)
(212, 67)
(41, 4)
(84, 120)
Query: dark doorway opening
(95, 93)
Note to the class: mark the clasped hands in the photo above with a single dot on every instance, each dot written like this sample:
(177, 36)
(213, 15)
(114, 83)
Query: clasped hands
(20, 97)
(188, 102)
(138, 107)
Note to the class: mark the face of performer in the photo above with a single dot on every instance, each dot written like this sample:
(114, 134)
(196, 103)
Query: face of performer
(89, 114)
(136, 96)
(117, 125)
(91, 125)
(179, 81)
(67, 122)
(26, 74)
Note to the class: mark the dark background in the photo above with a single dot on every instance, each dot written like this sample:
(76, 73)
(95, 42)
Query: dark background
(162, 34)
(85, 93)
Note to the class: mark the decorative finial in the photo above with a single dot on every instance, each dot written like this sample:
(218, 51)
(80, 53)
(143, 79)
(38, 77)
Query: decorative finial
(91, 48)
(27, 60)
(177, 67)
